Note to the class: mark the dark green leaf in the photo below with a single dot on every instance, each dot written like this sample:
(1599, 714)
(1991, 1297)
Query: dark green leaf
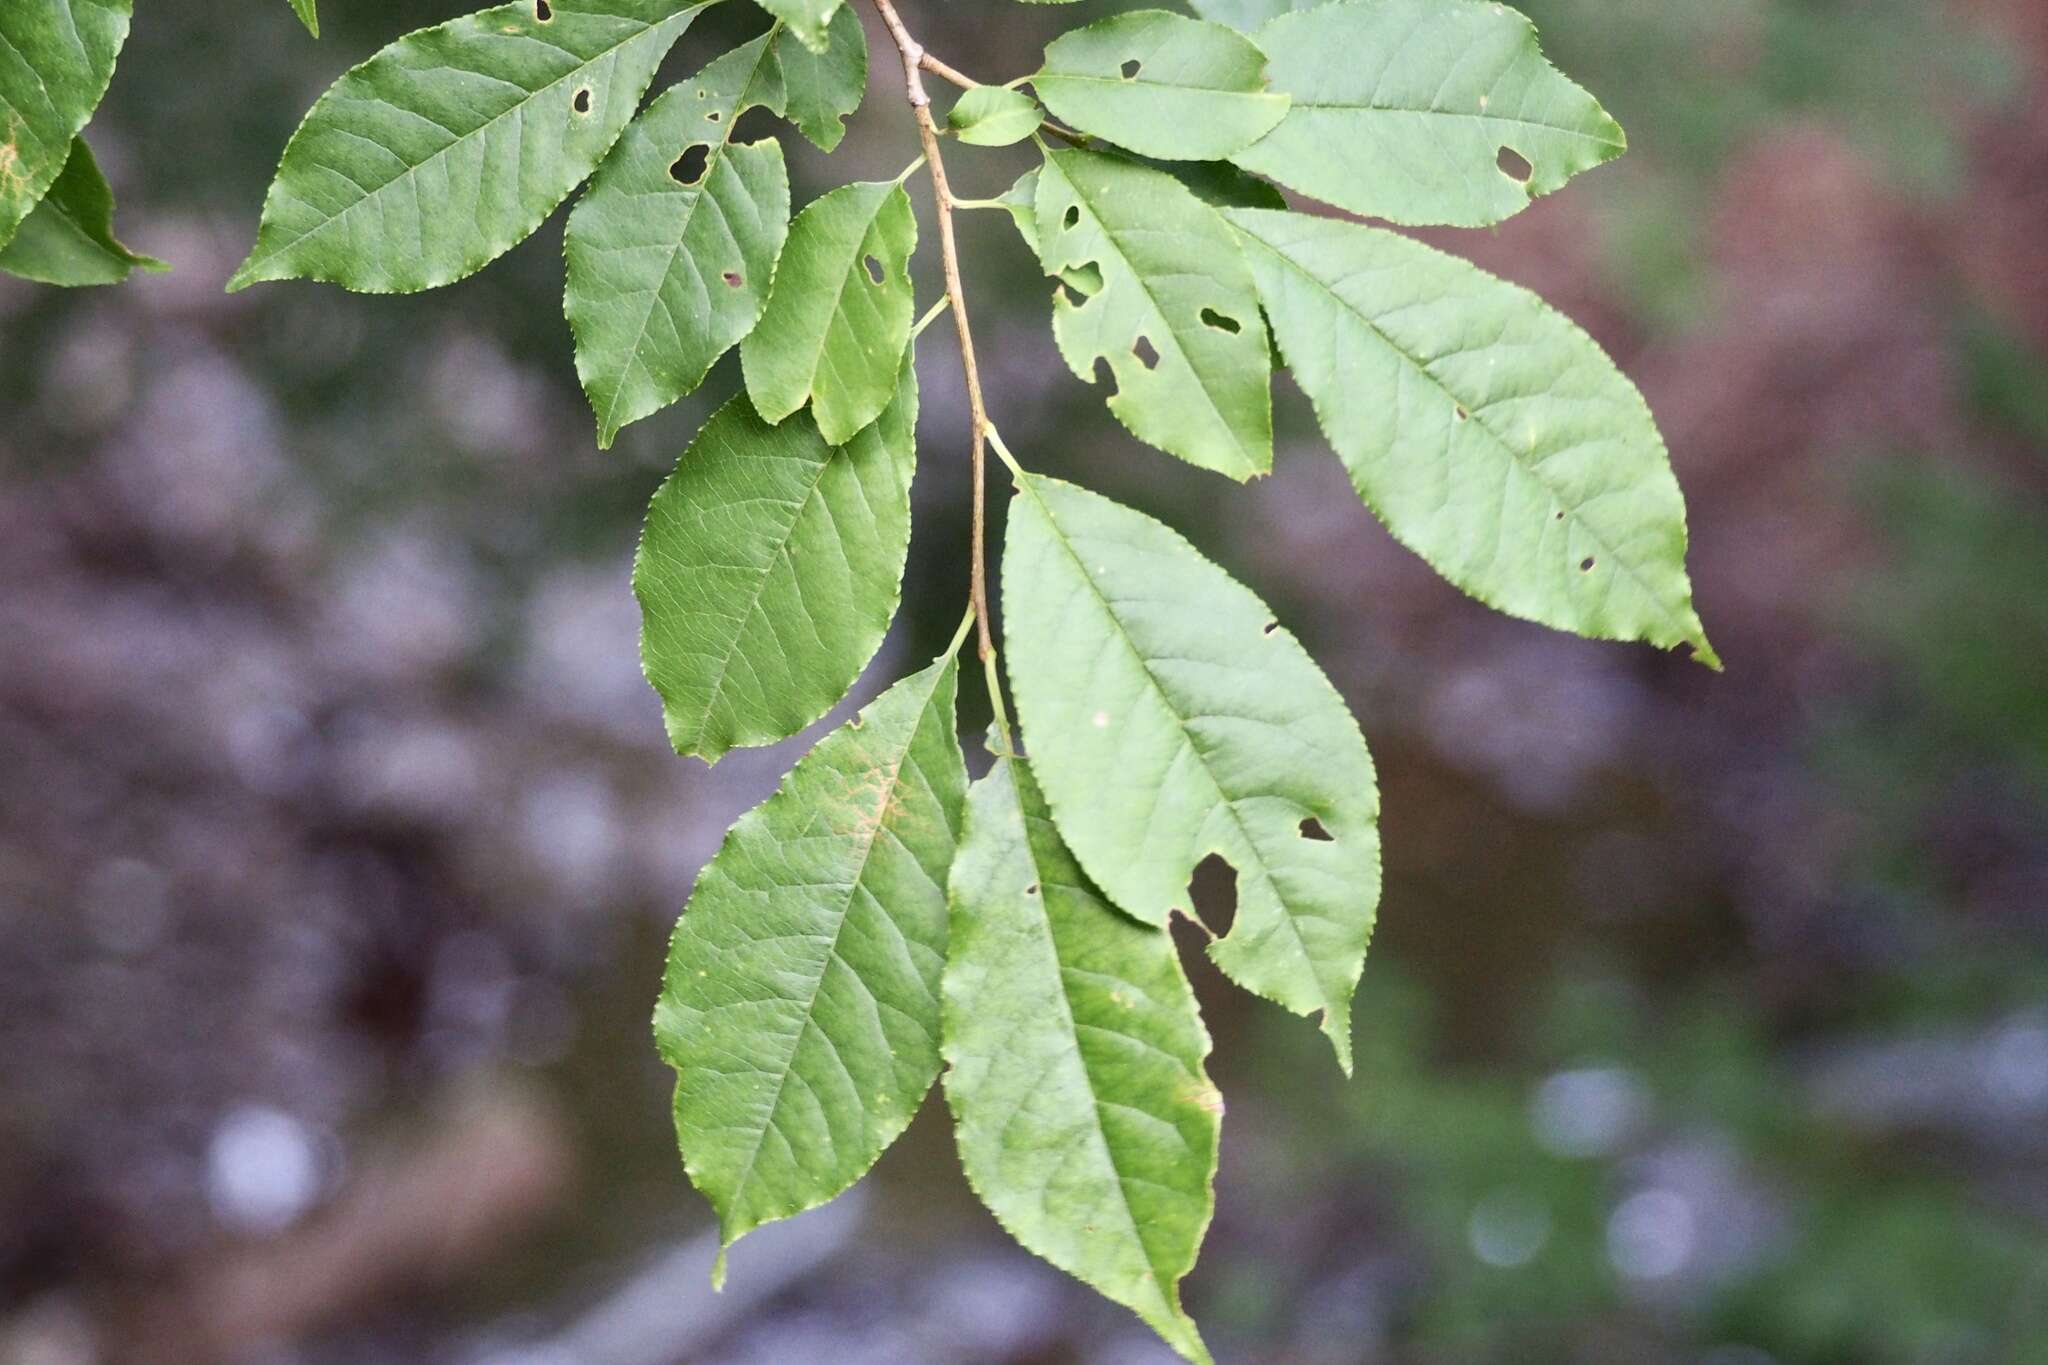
(68, 239)
(56, 57)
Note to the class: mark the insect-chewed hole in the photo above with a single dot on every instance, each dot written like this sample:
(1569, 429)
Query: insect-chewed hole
(1073, 216)
(1147, 353)
(1458, 411)
(1213, 889)
(1221, 322)
(1031, 890)
(874, 269)
(715, 115)
(1558, 515)
(582, 101)
(1132, 68)
(1312, 828)
(1269, 628)
(1684, 649)
(1586, 564)
(543, 11)
(688, 168)
(734, 278)
(1514, 165)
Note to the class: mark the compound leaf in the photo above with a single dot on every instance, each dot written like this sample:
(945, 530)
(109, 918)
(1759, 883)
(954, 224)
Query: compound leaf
(991, 116)
(1491, 435)
(819, 89)
(801, 1007)
(1162, 84)
(1074, 1052)
(449, 147)
(672, 251)
(1169, 717)
(68, 238)
(809, 20)
(56, 57)
(1173, 311)
(1406, 110)
(839, 316)
(769, 570)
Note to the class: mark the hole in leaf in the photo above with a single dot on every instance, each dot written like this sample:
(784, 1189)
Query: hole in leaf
(1084, 280)
(1214, 892)
(542, 11)
(1270, 627)
(1147, 353)
(1559, 516)
(733, 278)
(1073, 216)
(1031, 890)
(1103, 373)
(1514, 165)
(582, 101)
(688, 168)
(1212, 318)
(1312, 828)
(874, 267)
(1684, 649)
(715, 115)
(1459, 410)
(1586, 564)
(1132, 68)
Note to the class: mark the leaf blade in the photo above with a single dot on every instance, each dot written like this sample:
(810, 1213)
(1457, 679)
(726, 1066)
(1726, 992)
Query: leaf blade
(809, 20)
(1491, 434)
(1084, 1117)
(992, 116)
(1202, 728)
(820, 88)
(309, 15)
(811, 952)
(769, 570)
(68, 239)
(56, 60)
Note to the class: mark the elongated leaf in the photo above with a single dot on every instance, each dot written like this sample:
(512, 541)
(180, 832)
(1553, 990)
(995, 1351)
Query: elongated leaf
(801, 1008)
(1403, 108)
(56, 57)
(449, 147)
(809, 20)
(1074, 1054)
(839, 316)
(990, 116)
(819, 89)
(1162, 84)
(68, 239)
(672, 251)
(1175, 314)
(309, 15)
(768, 573)
(1168, 718)
(1493, 437)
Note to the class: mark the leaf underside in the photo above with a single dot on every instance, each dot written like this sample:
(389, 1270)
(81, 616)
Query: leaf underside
(450, 146)
(1491, 435)
(1169, 717)
(769, 570)
(1074, 1055)
(68, 238)
(801, 1006)
(56, 58)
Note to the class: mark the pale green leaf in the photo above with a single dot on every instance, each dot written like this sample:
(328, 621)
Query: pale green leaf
(1162, 84)
(1169, 717)
(801, 1007)
(819, 89)
(56, 57)
(769, 570)
(1074, 1064)
(991, 116)
(1402, 110)
(1249, 14)
(449, 147)
(1493, 437)
(1175, 314)
(672, 251)
(68, 238)
(809, 20)
(309, 15)
(840, 313)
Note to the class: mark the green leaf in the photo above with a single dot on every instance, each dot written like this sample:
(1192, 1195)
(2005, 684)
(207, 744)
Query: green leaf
(56, 57)
(1402, 110)
(769, 570)
(1169, 717)
(1173, 291)
(1161, 84)
(449, 147)
(840, 313)
(1493, 437)
(68, 238)
(809, 20)
(309, 15)
(1074, 1064)
(819, 89)
(1249, 14)
(801, 1007)
(672, 250)
(991, 116)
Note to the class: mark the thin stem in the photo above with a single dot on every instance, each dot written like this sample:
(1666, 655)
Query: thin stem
(914, 57)
(931, 315)
(960, 635)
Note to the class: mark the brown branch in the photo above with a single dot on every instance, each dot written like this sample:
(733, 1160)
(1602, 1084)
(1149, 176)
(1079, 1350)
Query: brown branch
(915, 62)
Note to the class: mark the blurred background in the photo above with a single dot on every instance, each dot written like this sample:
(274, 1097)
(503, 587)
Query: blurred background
(1708, 1015)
